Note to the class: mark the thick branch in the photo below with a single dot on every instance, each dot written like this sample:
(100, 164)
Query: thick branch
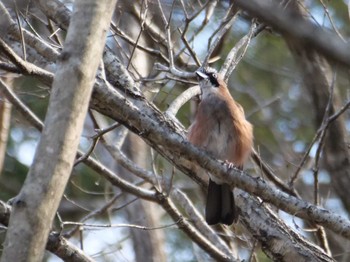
(115, 180)
(301, 31)
(161, 133)
(56, 243)
(155, 128)
(279, 241)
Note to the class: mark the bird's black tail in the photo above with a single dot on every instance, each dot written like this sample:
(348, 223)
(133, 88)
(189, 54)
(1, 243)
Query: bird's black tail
(220, 207)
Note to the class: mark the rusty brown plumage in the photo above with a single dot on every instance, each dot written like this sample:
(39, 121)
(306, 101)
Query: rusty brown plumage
(221, 129)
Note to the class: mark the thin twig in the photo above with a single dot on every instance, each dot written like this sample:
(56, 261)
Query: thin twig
(125, 162)
(31, 27)
(222, 30)
(331, 21)
(23, 45)
(168, 33)
(233, 58)
(105, 130)
(189, 19)
(66, 223)
(132, 42)
(323, 127)
(20, 106)
(88, 152)
(143, 14)
(93, 193)
(75, 203)
(54, 33)
(189, 48)
(340, 111)
(94, 213)
(268, 172)
(210, 6)
(174, 71)
(322, 141)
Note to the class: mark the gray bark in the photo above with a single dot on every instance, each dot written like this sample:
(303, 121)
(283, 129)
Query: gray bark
(35, 206)
(277, 240)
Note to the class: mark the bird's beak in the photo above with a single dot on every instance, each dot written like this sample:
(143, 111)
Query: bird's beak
(201, 75)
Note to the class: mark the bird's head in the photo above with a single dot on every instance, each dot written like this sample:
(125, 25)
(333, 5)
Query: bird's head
(208, 77)
(209, 80)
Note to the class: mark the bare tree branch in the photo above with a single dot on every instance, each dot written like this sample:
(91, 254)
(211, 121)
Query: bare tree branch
(305, 33)
(149, 123)
(55, 243)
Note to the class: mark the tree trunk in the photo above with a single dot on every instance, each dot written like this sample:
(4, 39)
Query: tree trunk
(149, 244)
(35, 206)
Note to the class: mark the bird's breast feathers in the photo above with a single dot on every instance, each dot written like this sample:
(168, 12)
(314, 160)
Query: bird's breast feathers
(221, 129)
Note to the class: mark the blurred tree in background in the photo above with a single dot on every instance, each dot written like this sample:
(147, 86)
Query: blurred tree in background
(134, 193)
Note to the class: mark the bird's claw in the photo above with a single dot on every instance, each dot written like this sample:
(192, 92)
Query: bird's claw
(229, 165)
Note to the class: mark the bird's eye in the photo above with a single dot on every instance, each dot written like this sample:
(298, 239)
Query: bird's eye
(213, 79)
